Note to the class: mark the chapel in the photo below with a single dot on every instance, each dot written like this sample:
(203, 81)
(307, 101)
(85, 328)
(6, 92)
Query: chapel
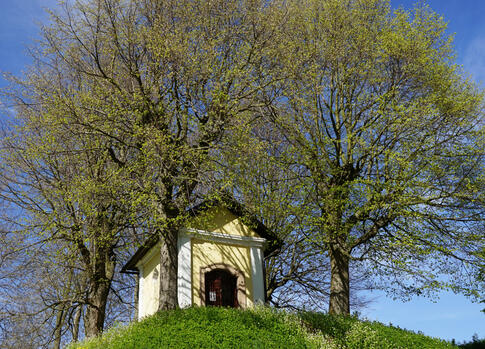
(220, 261)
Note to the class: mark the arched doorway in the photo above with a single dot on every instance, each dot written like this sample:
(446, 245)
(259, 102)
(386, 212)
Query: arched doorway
(222, 285)
(221, 289)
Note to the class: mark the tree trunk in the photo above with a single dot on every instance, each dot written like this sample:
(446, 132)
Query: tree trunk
(168, 270)
(339, 282)
(99, 287)
(60, 317)
(95, 310)
(76, 323)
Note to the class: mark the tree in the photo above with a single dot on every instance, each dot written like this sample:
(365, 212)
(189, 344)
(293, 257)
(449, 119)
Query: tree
(386, 136)
(32, 272)
(297, 273)
(129, 104)
(125, 103)
(53, 179)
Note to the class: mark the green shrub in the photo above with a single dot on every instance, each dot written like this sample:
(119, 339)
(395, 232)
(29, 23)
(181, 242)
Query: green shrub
(256, 328)
(209, 327)
(350, 332)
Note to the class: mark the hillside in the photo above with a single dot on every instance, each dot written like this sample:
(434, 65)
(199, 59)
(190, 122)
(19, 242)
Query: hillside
(257, 328)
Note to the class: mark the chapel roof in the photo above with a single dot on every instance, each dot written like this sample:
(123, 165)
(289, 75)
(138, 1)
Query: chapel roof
(273, 242)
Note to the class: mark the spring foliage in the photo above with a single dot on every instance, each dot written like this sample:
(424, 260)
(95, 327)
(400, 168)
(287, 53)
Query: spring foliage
(257, 328)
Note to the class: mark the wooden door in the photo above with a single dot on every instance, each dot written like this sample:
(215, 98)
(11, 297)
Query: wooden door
(220, 289)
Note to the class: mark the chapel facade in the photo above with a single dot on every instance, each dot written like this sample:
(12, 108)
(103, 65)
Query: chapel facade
(220, 262)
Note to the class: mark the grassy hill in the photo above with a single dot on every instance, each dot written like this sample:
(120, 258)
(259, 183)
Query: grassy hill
(257, 328)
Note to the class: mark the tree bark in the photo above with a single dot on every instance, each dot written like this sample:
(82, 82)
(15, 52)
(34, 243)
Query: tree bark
(60, 317)
(95, 310)
(168, 270)
(99, 288)
(76, 323)
(339, 282)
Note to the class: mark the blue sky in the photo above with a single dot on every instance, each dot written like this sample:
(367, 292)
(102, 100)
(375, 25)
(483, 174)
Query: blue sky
(466, 20)
(449, 317)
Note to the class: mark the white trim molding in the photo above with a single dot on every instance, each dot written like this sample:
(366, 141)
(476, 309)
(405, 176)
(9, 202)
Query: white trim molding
(248, 241)
(184, 272)
(141, 302)
(257, 275)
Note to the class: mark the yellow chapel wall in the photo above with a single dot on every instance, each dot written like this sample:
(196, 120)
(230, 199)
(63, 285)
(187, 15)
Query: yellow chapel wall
(221, 220)
(150, 285)
(205, 253)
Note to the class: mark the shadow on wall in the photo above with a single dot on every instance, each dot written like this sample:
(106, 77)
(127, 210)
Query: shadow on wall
(208, 256)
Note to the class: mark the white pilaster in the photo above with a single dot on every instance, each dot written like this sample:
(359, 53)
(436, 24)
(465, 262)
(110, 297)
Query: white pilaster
(257, 274)
(184, 274)
(141, 292)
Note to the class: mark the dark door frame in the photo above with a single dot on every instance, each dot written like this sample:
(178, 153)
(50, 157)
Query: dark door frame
(240, 282)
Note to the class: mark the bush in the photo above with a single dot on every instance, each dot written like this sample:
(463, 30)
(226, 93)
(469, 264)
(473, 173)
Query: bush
(261, 327)
(350, 332)
(209, 327)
